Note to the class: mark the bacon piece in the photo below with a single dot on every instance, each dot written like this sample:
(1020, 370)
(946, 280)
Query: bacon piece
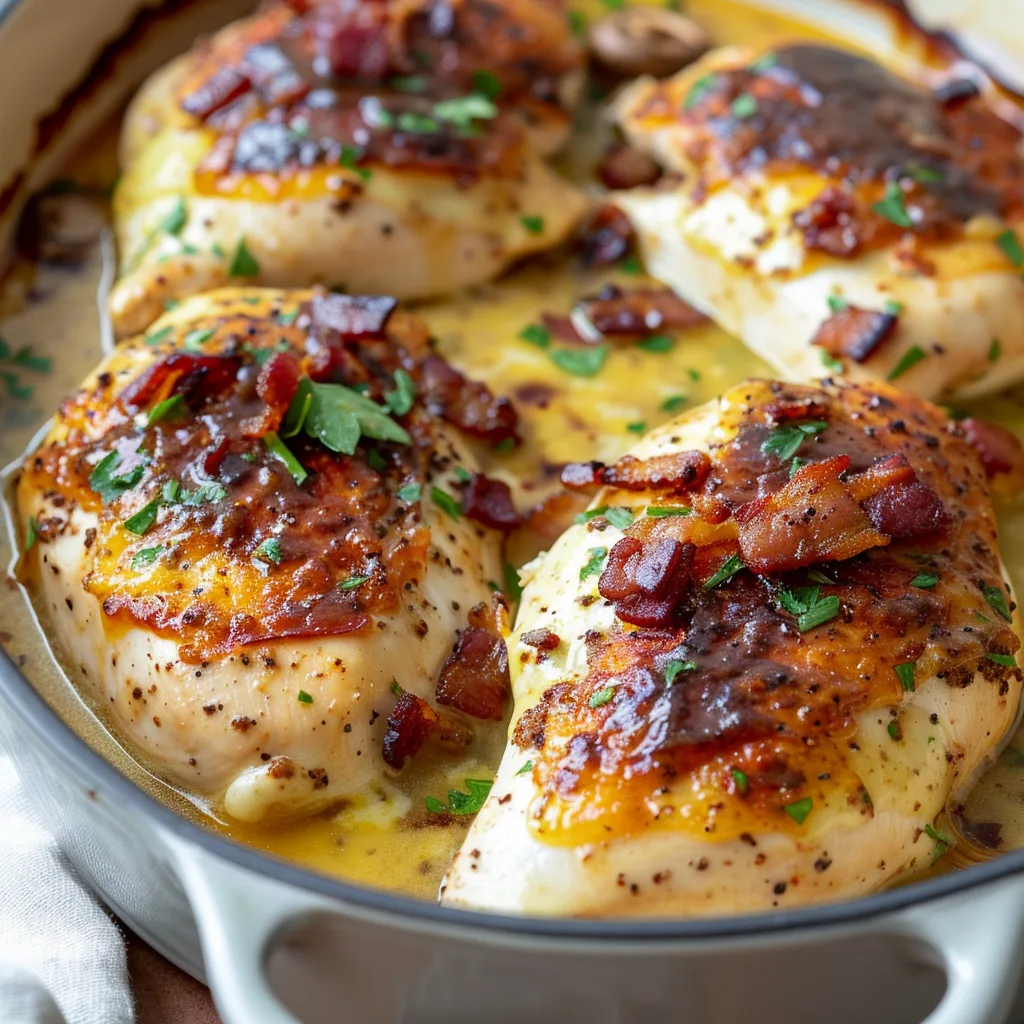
(785, 410)
(898, 503)
(353, 37)
(830, 223)
(466, 404)
(624, 315)
(677, 472)
(409, 727)
(274, 75)
(276, 384)
(606, 238)
(855, 332)
(812, 519)
(490, 502)
(215, 455)
(349, 318)
(475, 678)
(624, 167)
(999, 449)
(647, 582)
(197, 377)
(223, 87)
(541, 639)
(582, 476)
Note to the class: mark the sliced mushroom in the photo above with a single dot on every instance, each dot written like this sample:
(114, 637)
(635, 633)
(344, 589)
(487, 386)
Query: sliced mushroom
(646, 41)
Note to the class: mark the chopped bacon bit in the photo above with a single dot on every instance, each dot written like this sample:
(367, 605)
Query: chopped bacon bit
(804, 409)
(582, 476)
(814, 518)
(905, 507)
(410, 725)
(606, 238)
(830, 223)
(490, 502)
(353, 38)
(276, 384)
(676, 471)
(215, 456)
(623, 167)
(855, 332)
(281, 767)
(351, 317)
(647, 582)
(467, 404)
(999, 449)
(223, 87)
(197, 377)
(618, 314)
(475, 678)
(541, 639)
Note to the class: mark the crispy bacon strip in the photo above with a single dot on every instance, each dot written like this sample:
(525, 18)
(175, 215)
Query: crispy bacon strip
(618, 314)
(855, 332)
(475, 678)
(413, 723)
(675, 472)
(898, 503)
(489, 502)
(224, 86)
(647, 582)
(813, 518)
(466, 404)
(197, 377)
(276, 384)
(1000, 450)
(606, 238)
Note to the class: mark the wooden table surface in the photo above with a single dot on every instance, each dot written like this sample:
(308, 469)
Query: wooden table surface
(164, 994)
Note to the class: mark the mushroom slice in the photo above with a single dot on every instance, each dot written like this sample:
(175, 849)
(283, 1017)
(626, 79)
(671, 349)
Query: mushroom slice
(249, 534)
(837, 216)
(760, 682)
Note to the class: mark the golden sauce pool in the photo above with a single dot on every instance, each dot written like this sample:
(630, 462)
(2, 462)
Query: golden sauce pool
(384, 839)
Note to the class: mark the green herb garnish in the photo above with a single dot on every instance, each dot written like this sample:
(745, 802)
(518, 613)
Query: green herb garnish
(744, 106)
(409, 493)
(513, 587)
(31, 533)
(741, 780)
(1010, 244)
(657, 343)
(894, 730)
(167, 409)
(674, 667)
(673, 403)
(446, 503)
(837, 303)
(580, 362)
(352, 582)
(799, 810)
(995, 350)
(527, 767)
(487, 84)
(400, 401)
(158, 337)
(243, 263)
(147, 556)
(143, 519)
(305, 698)
(462, 803)
(924, 580)
(727, 570)
(1007, 660)
(783, 442)
(893, 207)
(667, 511)
(704, 85)
(911, 358)
(618, 516)
(109, 483)
(996, 597)
(349, 159)
(269, 550)
(537, 335)
(594, 563)
(809, 607)
(905, 672)
(280, 451)
(601, 697)
(534, 225)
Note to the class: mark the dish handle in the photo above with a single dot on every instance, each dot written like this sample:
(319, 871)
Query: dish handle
(979, 938)
(238, 914)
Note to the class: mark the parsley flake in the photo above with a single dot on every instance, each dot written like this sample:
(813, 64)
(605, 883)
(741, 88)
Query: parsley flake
(667, 511)
(269, 550)
(537, 335)
(469, 802)
(194, 340)
(837, 303)
(305, 698)
(157, 337)
(657, 343)
(741, 780)
(811, 610)
(580, 362)
(487, 83)
(995, 350)
(109, 482)
(533, 225)
(673, 403)
(31, 533)
(601, 697)
(143, 519)
(619, 517)
(924, 580)
(282, 453)
(147, 556)
(352, 582)
(1010, 244)
(1007, 660)
(674, 667)
(905, 673)
(594, 563)
(446, 503)
(167, 409)
(701, 88)
(910, 358)
(409, 493)
(894, 730)
(243, 263)
(799, 810)
(726, 571)
(527, 767)
(513, 587)
(893, 207)
(400, 401)
(349, 159)
(783, 442)
(744, 106)
(942, 841)
(631, 265)
(996, 597)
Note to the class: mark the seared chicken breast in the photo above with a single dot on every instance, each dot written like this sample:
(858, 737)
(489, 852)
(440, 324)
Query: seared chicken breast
(755, 673)
(257, 532)
(830, 212)
(376, 147)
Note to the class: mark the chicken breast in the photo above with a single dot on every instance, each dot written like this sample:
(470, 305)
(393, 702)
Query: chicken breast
(257, 532)
(387, 146)
(778, 645)
(828, 211)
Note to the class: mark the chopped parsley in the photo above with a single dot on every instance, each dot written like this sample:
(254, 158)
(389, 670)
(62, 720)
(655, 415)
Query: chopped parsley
(175, 220)
(924, 580)
(174, 494)
(31, 533)
(892, 307)
(995, 350)
(796, 465)
(741, 780)
(765, 62)
(537, 335)
(809, 607)
(396, 688)
(110, 483)
(631, 265)
(837, 303)
(527, 767)
(942, 841)
(922, 174)
(167, 409)
(799, 810)
(352, 582)
(601, 697)
(1010, 244)
(594, 563)
(462, 803)
(462, 111)
(305, 698)
(674, 667)
(905, 672)
(374, 460)
(408, 83)
(590, 513)
(673, 403)
(400, 400)
(996, 597)
(911, 358)
(618, 516)
(783, 442)
(513, 587)
(727, 570)
(195, 340)
(534, 225)
(577, 22)
(1007, 660)
(586, 362)
(281, 452)
(338, 416)
(143, 519)
(269, 550)
(463, 474)
(506, 444)
(487, 84)
(158, 337)
(147, 556)
(893, 207)
(409, 493)
(894, 730)
(243, 263)
(744, 106)
(830, 362)
(657, 343)
(349, 159)
(704, 85)
(444, 501)
(667, 511)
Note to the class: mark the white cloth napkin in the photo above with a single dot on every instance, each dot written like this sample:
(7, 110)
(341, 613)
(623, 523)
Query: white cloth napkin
(62, 958)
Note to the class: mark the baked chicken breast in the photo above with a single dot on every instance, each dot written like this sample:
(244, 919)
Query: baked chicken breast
(833, 214)
(757, 671)
(381, 146)
(257, 532)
